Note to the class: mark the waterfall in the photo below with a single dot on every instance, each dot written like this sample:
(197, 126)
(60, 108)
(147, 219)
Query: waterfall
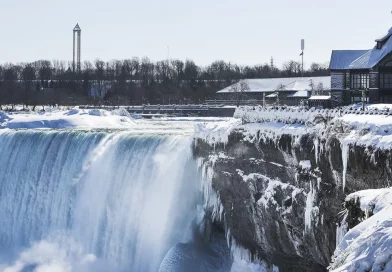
(75, 199)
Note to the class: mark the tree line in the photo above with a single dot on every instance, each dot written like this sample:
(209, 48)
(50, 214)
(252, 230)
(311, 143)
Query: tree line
(130, 81)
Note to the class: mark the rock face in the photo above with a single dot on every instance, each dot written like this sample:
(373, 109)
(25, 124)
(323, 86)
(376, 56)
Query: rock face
(282, 199)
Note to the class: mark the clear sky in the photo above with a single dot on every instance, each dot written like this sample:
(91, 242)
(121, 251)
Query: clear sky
(239, 31)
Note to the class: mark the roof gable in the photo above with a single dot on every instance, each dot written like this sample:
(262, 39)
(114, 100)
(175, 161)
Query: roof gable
(373, 56)
(362, 59)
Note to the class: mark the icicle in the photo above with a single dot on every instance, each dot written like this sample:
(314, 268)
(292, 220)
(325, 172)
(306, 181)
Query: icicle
(341, 230)
(309, 208)
(316, 149)
(345, 155)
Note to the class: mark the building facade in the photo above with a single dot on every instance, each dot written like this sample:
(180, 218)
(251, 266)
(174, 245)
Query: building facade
(362, 75)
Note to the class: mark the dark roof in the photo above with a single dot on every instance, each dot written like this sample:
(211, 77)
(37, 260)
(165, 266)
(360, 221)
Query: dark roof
(374, 56)
(341, 59)
(361, 59)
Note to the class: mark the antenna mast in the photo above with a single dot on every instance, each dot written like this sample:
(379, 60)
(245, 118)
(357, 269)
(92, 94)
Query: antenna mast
(302, 54)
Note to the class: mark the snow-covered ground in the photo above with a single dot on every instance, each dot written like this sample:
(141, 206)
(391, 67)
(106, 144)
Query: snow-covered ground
(370, 128)
(368, 246)
(74, 118)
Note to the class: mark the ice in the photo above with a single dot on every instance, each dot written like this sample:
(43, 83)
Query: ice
(341, 229)
(368, 246)
(311, 210)
(216, 132)
(242, 259)
(345, 156)
(305, 164)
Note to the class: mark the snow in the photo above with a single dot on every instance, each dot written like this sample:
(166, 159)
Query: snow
(290, 84)
(272, 95)
(305, 164)
(320, 97)
(374, 199)
(369, 130)
(368, 246)
(375, 55)
(74, 118)
(284, 115)
(270, 190)
(300, 94)
(216, 132)
(311, 209)
(373, 129)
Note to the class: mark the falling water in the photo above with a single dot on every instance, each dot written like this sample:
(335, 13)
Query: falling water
(78, 199)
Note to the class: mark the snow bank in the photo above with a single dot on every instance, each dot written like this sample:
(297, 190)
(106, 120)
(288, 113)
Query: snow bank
(372, 127)
(288, 115)
(216, 132)
(368, 246)
(74, 118)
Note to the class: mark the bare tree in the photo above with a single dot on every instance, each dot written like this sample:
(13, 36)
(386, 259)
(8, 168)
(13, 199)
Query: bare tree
(238, 90)
(278, 93)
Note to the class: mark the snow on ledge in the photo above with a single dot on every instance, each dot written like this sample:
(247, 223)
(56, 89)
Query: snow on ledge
(368, 246)
(60, 119)
(372, 128)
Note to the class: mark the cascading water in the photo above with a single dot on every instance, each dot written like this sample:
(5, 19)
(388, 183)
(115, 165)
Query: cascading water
(98, 201)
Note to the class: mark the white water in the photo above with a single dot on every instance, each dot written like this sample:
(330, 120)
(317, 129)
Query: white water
(93, 201)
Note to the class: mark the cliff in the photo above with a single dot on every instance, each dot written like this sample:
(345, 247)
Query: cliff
(279, 188)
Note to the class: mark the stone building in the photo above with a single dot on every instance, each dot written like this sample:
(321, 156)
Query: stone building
(362, 75)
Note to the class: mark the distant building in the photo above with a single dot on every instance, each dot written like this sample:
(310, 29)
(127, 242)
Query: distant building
(292, 91)
(362, 74)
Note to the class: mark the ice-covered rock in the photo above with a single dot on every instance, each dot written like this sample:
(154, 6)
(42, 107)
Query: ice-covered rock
(368, 246)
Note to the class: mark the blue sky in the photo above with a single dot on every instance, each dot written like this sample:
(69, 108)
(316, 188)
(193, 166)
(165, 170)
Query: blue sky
(242, 31)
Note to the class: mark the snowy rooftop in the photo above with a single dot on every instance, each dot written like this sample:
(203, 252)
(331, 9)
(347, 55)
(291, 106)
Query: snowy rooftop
(361, 59)
(320, 97)
(290, 84)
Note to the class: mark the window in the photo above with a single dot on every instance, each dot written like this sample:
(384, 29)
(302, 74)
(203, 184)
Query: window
(359, 81)
(386, 81)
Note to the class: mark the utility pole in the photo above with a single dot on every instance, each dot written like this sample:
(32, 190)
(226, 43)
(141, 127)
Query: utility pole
(302, 54)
